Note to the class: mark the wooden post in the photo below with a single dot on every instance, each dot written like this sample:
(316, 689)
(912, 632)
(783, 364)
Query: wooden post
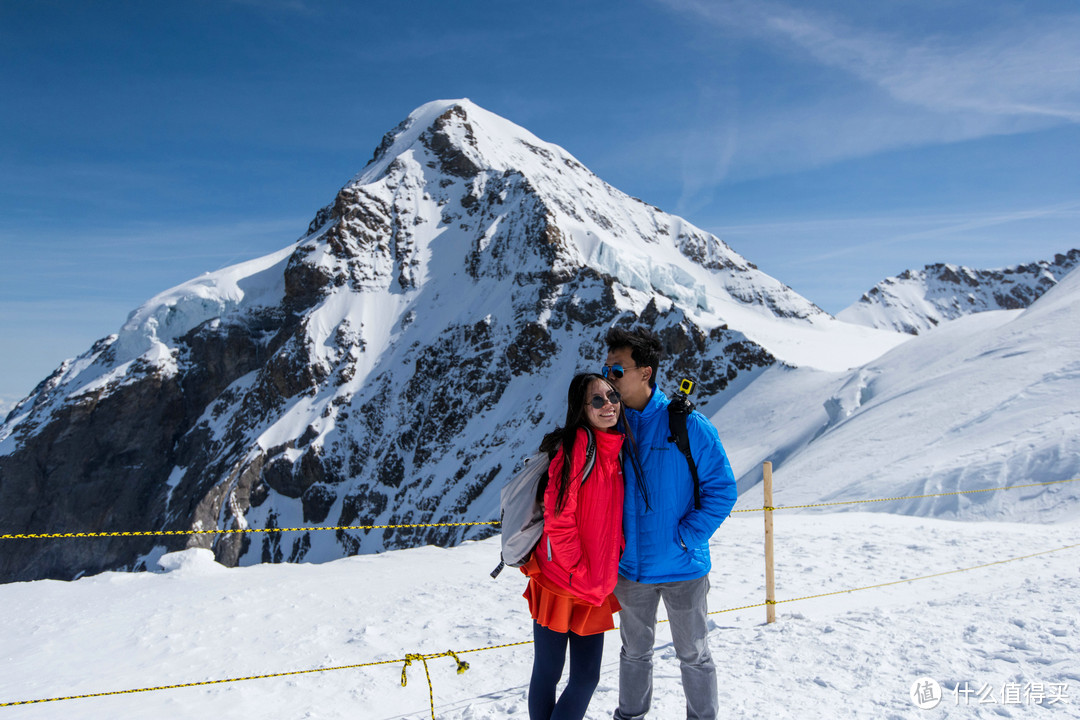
(770, 585)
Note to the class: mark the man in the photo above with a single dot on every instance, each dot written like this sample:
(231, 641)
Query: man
(667, 539)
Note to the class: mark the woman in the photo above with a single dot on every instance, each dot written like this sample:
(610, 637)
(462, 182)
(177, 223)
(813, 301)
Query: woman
(574, 568)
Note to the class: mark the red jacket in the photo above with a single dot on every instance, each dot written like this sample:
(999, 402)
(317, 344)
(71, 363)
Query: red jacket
(580, 548)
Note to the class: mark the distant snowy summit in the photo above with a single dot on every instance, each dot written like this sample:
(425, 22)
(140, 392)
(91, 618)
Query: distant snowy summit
(918, 300)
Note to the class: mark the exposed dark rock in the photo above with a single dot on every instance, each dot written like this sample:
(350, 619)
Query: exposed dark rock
(323, 216)
(280, 476)
(531, 349)
(97, 465)
(317, 501)
(453, 161)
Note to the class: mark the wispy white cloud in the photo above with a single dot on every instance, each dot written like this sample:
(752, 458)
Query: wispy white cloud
(1028, 70)
(930, 229)
(901, 90)
(1031, 68)
(919, 226)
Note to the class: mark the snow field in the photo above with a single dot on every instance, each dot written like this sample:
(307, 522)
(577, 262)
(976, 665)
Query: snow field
(853, 654)
(987, 400)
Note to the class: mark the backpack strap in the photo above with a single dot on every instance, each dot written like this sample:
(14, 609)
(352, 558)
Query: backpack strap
(678, 410)
(590, 454)
(590, 463)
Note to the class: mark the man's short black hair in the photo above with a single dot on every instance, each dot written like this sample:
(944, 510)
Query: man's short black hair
(645, 347)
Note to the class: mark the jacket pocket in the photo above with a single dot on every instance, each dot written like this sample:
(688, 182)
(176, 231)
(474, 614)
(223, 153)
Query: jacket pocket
(688, 558)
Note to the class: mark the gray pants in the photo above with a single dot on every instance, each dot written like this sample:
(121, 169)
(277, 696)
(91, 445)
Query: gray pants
(687, 613)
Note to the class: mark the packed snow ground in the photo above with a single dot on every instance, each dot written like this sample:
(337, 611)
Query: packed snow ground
(1012, 627)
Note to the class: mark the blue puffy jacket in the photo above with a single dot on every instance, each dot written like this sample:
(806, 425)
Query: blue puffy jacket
(670, 540)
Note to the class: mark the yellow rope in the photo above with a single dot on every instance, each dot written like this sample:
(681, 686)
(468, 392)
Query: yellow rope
(907, 497)
(893, 582)
(405, 679)
(496, 647)
(463, 666)
(927, 577)
(196, 684)
(317, 528)
(134, 533)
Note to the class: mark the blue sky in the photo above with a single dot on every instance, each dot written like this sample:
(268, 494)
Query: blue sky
(831, 142)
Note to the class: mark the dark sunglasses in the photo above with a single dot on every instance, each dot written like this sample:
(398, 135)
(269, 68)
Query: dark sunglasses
(617, 371)
(612, 397)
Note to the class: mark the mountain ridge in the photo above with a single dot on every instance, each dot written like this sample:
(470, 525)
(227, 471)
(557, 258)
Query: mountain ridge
(918, 300)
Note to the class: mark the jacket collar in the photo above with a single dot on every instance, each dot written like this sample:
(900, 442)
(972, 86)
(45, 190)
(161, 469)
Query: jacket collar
(658, 401)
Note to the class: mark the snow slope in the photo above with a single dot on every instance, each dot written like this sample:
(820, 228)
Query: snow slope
(988, 400)
(1011, 627)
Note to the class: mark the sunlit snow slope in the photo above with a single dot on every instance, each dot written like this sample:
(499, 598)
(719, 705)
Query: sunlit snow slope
(984, 401)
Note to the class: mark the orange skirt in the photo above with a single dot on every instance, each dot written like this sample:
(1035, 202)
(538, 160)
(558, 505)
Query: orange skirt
(558, 610)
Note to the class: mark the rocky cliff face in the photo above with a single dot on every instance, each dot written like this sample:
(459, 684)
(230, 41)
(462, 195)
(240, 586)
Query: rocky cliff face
(918, 300)
(389, 367)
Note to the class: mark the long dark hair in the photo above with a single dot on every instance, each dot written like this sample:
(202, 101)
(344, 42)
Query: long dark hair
(566, 435)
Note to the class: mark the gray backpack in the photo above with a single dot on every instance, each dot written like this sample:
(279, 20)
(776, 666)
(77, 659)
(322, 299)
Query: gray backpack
(522, 514)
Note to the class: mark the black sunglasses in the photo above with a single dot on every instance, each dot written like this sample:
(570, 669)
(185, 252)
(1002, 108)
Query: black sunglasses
(617, 371)
(612, 397)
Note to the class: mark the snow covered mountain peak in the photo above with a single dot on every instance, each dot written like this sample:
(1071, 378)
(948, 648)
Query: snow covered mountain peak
(466, 137)
(918, 300)
(468, 167)
(394, 363)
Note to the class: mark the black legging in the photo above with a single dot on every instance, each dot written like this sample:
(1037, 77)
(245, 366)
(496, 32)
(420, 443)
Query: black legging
(586, 652)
